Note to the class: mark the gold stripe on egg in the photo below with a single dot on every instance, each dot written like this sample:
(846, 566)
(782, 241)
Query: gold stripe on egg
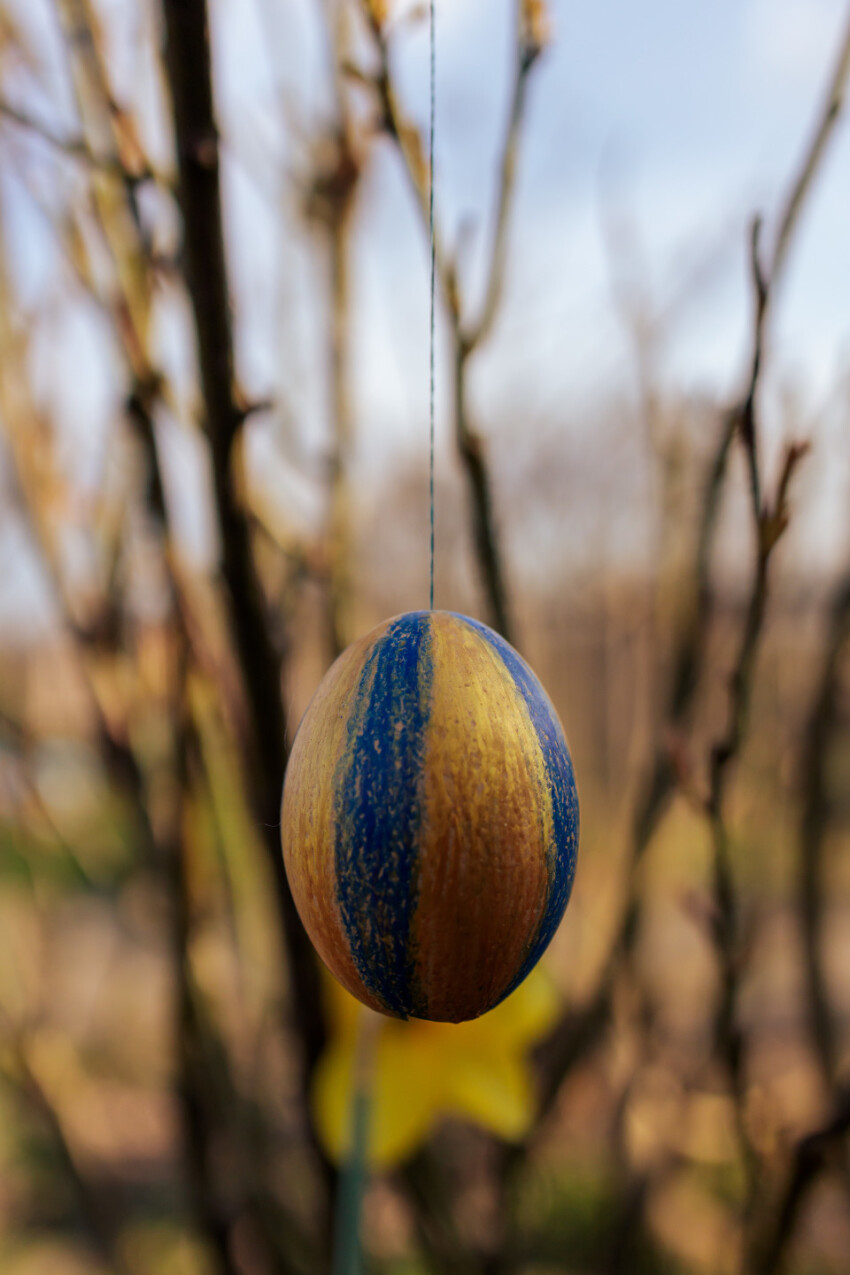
(483, 878)
(309, 800)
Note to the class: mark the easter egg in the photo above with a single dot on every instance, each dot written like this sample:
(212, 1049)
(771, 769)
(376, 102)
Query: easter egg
(430, 818)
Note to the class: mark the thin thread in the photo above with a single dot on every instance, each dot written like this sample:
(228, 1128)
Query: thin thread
(433, 276)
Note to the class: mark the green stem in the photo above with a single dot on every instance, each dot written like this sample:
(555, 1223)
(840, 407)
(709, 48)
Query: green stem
(346, 1249)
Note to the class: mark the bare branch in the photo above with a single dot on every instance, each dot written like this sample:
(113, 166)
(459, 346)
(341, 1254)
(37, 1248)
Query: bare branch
(769, 524)
(819, 732)
(832, 107)
(726, 929)
(468, 336)
(74, 145)
(526, 54)
(99, 1227)
(811, 1157)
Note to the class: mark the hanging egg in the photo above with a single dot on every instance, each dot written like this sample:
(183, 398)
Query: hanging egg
(430, 818)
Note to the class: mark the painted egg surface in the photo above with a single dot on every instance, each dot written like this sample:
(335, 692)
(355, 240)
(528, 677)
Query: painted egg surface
(430, 818)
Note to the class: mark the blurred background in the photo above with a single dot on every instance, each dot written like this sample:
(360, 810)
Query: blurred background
(214, 323)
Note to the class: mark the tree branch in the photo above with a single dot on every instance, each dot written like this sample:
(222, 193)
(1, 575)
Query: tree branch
(811, 1157)
(188, 64)
(470, 335)
(819, 732)
(834, 101)
(99, 1227)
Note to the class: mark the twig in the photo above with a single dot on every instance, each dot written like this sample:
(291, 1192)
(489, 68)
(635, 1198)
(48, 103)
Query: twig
(811, 1157)
(834, 101)
(528, 50)
(472, 452)
(214, 1220)
(74, 145)
(468, 335)
(99, 1226)
(819, 732)
(70, 144)
(329, 204)
(339, 583)
(766, 279)
(769, 524)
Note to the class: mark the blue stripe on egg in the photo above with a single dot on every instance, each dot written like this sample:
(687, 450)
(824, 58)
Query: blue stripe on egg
(379, 807)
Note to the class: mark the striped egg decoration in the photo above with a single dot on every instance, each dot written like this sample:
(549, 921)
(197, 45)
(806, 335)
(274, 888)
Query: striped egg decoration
(430, 818)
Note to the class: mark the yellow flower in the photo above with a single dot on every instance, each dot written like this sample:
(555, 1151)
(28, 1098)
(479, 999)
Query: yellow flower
(423, 1070)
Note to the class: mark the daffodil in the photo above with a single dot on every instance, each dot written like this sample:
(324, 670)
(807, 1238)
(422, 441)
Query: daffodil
(421, 1071)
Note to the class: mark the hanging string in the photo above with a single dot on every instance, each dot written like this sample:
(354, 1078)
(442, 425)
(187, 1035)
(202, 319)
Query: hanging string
(432, 27)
